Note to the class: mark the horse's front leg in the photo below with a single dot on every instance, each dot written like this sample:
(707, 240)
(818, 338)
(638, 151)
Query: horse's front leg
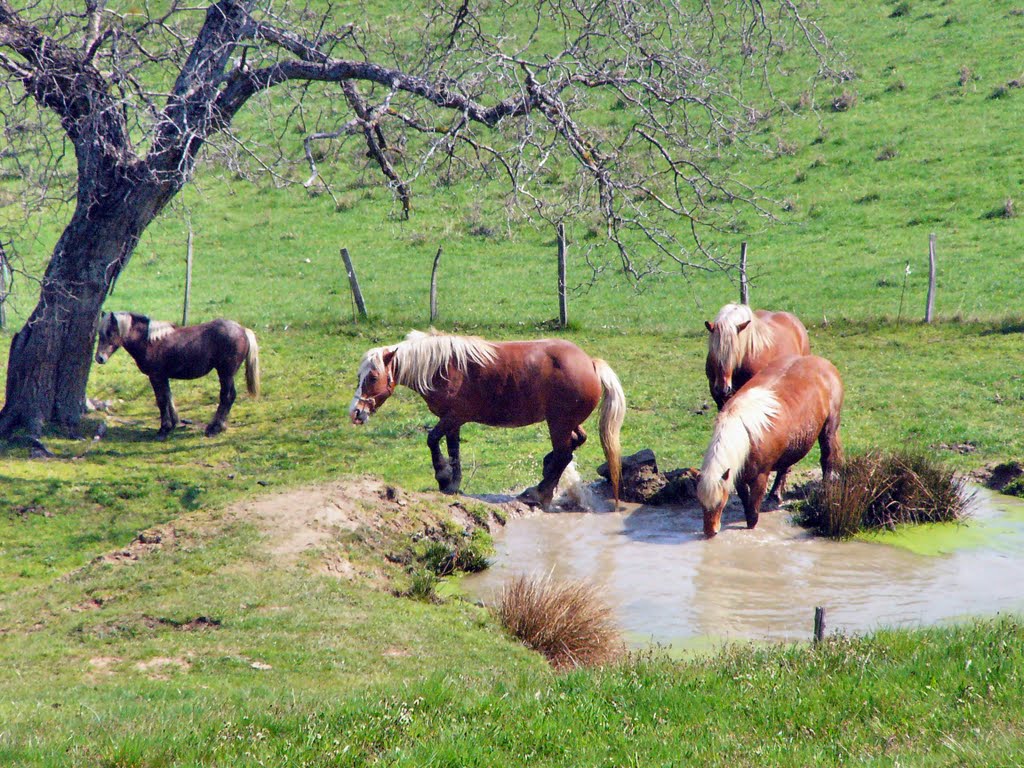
(227, 399)
(448, 476)
(755, 495)
(452, 439)
(164, 401)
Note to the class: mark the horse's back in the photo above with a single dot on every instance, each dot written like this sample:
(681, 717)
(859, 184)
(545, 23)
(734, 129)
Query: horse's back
(531, 381)
(809, 392)
(195, 350)
(790, 334)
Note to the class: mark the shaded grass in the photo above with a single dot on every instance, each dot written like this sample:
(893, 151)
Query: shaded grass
(880, 489)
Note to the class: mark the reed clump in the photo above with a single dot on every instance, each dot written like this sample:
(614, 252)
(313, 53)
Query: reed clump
(883, 489)
(566, 621)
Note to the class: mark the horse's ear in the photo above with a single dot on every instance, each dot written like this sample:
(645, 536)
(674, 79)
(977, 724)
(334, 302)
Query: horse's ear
(387, 356)
(741, 326)
(725, 475)
(710, 326)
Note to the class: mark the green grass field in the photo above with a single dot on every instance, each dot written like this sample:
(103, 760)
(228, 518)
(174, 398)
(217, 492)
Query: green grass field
(97, 667)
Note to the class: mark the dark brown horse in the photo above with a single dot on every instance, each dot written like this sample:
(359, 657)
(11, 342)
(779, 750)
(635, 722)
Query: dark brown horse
(164, 351)
(769, 425)
(502, 384)
(742, 342)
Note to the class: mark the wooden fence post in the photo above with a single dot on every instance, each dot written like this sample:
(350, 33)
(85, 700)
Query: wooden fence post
(744, 286)
(930, 306)
(433, 286)
(563, 309)
(353, 282)
(188, 276)
(819, 624)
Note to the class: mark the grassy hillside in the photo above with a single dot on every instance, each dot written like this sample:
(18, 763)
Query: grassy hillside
(357, 675)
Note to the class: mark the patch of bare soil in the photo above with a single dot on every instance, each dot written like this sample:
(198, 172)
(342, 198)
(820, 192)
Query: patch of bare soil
(162, 667)
(998, 476)
(146, 542)
(363, 513)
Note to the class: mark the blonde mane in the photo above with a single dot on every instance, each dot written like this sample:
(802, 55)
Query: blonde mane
(743, 420)
(421, 356)
(730, 348)
(157, 330)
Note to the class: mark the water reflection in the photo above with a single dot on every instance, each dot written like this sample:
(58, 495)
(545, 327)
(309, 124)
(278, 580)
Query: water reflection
(670, 585)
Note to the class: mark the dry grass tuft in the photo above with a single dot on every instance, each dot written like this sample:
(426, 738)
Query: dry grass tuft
(882, 490)
(844, 101)
(566, 621)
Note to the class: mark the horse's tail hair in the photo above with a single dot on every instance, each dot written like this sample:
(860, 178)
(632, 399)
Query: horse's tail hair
(613, 413)
(252, 364)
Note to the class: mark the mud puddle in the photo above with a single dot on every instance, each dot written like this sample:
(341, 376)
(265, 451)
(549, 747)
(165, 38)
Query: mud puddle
(670, 586)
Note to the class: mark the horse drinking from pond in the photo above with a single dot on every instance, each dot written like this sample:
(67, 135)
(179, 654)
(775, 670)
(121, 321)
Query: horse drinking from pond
(741, 342)
(164, 351)
(770, 424)
(501, 384)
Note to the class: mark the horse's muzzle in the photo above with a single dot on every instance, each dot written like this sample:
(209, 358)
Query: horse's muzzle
(359, 416)
(101, 358)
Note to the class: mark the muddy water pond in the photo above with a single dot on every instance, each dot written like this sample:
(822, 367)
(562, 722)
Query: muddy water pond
(669, 585)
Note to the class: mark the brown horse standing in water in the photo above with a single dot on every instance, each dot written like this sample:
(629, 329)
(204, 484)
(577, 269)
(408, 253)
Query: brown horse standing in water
(164, 351)
(501, 384)
(770, 425)
(742, 342)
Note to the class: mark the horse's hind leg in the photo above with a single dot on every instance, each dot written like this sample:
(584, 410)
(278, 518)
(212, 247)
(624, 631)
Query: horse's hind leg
(563, 441)
(779, 487)
(831, 449)
(227, 399)
(164, 401)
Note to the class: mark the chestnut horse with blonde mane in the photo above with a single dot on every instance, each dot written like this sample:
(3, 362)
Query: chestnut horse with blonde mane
(769, 425)
(163, 351)
(501, 384)
(741, 342)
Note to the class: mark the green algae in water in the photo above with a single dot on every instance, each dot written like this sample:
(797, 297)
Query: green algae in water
(995, 519)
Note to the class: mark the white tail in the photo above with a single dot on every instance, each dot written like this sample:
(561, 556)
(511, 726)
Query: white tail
(613, 413)
(252, 365)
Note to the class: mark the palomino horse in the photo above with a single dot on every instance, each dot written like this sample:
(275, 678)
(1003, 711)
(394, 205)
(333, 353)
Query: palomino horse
(770, 425)
(741, 343)
(164, 351)
(501, 384)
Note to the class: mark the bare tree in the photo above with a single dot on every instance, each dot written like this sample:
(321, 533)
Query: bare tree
(639, 102)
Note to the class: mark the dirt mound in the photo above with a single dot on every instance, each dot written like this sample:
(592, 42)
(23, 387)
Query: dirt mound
(350, 523)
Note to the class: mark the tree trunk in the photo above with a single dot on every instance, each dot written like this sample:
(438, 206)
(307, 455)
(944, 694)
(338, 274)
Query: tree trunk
(51, 355)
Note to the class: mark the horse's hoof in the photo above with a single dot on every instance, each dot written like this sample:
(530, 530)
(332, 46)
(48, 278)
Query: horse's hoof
(162, 435)
(531, 498)
(214, 429)
(452, 489)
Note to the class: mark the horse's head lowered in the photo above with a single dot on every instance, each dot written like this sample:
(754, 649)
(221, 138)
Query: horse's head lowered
(376, 383)
(723, 356)
(713, 494)
(114, 327)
